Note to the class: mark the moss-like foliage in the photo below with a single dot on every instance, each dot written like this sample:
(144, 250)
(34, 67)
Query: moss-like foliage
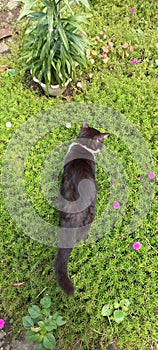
(122, 77)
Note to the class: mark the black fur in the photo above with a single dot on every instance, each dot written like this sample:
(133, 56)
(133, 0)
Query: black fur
(77, 199)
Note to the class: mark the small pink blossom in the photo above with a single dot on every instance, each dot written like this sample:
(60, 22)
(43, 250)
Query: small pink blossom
(122, 236)
(116, 205)
(134, 62)
(110, 43)
(125, 45)
(105, 60)
(131, 48)
(105, 49)
(156, 220)
(132, 10)
(2, 323)
(98, 39)
(113, 181)
(136, 245)
(151, 175)
(124, 215)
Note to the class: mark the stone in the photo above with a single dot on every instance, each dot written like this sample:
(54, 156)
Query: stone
(23, 345)
(12, 5)
(5, 32)
(4, 48)
(2, 334)
(7, 347)
(3, 68)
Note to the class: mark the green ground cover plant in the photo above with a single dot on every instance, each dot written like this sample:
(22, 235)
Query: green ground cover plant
(122, 75)
(40, 324)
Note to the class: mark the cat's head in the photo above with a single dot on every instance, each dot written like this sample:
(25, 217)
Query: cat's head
(90, 137)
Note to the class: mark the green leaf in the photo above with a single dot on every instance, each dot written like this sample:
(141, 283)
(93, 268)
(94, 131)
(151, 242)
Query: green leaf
(116, 305)
(26, 8)
(27, 322)
(76, 20)
(68, 66)
(46, 302)
(49, 341)
(36, 15)
(55, 315)
(52, 325)
(34, 311)
(107, 310)
(31, 336)
(126, 302)
(39, 347)
(63, 37)
(46, 312)
(84, 3)
(119, 316)
(60, 321)
(11, 71)
(41, 324)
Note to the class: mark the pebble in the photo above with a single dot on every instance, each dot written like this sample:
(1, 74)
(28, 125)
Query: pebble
(18, 345)
(2, 334)
(79, 85)
(12, 5)
(4, 48)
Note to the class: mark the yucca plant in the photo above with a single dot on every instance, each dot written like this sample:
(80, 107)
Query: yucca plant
(54, 43)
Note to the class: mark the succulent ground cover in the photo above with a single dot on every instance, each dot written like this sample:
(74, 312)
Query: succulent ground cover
(122, 76)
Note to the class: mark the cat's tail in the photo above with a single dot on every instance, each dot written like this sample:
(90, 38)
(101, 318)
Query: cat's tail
(61, 272)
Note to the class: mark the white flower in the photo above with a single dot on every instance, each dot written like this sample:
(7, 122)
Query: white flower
(68, 125)
(79, 85)
(8, 124)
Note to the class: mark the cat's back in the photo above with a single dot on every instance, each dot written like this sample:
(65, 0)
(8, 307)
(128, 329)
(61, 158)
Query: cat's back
(79, 163)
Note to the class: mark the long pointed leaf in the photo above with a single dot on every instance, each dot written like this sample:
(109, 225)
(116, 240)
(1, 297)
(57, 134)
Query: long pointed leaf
(63, 37)
(26, 9)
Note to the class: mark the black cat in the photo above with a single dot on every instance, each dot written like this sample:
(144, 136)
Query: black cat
(77, 198)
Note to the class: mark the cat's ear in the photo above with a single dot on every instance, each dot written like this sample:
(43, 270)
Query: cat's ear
(85, 125)
(104, 136)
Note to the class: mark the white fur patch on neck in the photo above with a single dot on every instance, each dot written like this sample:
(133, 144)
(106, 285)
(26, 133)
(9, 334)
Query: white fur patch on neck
(83, 146)
(89, 149)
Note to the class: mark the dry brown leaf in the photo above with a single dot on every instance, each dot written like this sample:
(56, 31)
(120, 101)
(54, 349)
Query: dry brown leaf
(20, 284)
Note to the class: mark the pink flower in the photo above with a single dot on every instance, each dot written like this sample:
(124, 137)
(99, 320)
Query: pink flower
(105, 49)
(136, 245)
(125, 45)
(113, 181)
(134, 62)
(131, 48)
(132, 10)
(105, 60)
(122, 236)
(156, 220)
(116, 205)
(98, 39)
(110, 43)
(151, 175)
(2, 323)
